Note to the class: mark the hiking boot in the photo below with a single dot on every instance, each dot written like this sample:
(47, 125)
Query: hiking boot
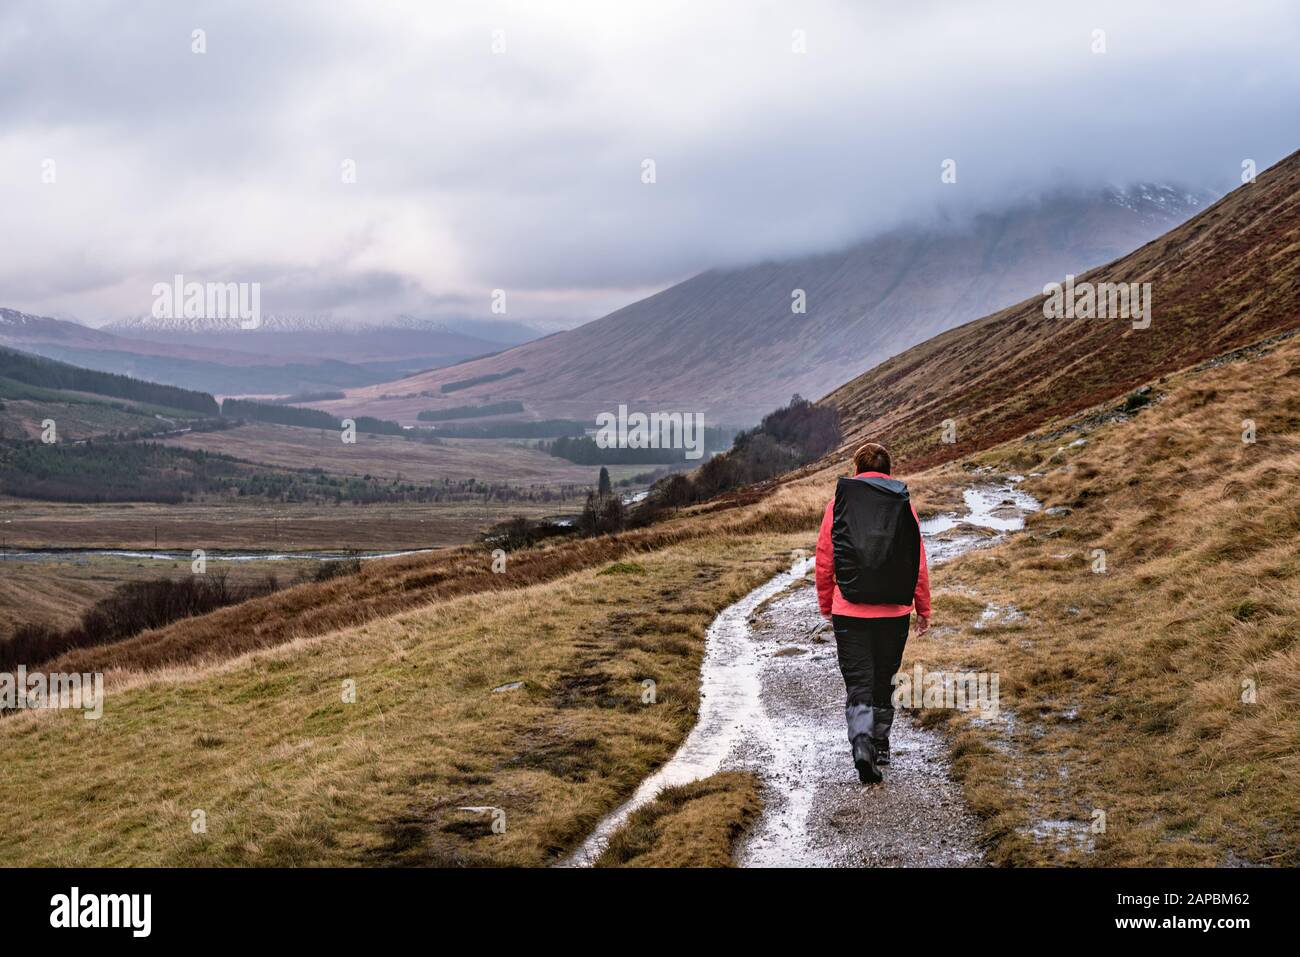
(864, 759)
(882, 719)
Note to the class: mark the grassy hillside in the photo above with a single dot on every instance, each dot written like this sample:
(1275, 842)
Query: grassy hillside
(77, 417)
(288, 773)
(84, 404)
(1123, 690)
(1226, 278)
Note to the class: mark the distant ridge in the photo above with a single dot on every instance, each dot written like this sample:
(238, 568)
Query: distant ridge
(286, 354)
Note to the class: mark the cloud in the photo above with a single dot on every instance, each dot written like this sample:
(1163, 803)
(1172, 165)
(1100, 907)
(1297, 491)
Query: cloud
(521, 169)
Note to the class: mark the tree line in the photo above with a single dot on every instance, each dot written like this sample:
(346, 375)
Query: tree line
(584, 450)
(51, 374)
(96, 471)
(512, 429)
(479, 380)
(128, 610)
(470, 411)
(304, 418)
(787, 438)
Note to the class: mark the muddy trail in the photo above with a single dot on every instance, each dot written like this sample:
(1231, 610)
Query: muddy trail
(772, 703)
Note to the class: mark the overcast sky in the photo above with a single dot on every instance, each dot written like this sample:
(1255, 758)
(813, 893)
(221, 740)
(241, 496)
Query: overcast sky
(522, 169)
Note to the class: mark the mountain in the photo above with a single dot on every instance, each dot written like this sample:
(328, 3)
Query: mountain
(502, 332)
(1157, 585)
(27, 330)
(286, 355)
(727, 343)
(1224, 279)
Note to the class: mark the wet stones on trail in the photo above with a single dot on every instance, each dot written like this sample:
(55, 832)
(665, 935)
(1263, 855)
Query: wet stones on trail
(817, 813)
(772, 703)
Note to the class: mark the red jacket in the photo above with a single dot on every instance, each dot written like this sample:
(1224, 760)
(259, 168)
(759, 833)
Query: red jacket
(828, 593)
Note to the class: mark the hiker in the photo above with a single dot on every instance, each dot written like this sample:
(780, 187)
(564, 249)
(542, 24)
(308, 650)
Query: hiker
(871, 575)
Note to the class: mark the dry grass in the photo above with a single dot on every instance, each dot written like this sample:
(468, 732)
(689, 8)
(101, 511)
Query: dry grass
(385, 587)
(1122, 692)
(242, 717)
(691, 825)
(57, 592)
(288, 774)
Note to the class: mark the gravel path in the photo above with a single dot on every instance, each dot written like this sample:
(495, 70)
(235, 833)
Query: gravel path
(817, 813)
(772, 702)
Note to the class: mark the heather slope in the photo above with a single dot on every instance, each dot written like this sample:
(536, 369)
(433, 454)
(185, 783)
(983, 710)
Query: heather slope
(1144, 630)
(1224, 279)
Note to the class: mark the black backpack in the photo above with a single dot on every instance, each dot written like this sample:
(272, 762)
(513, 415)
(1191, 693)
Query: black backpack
(876, 541)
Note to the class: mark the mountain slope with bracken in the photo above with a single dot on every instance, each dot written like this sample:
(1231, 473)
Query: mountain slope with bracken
(727, 342)
(1226, 278)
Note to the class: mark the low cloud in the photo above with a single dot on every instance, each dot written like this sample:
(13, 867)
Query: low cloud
(522, 169)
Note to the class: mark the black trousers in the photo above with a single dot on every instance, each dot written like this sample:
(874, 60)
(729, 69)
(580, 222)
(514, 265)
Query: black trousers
(870, 652)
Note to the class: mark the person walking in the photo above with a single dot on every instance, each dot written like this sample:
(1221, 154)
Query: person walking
(871, 576)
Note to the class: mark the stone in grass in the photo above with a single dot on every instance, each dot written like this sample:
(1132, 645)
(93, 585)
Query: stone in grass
(508, 686)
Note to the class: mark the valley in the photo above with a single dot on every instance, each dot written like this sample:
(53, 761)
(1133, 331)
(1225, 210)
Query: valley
(516, 463)
(138, 466)
(445, 447)
(1125, 735)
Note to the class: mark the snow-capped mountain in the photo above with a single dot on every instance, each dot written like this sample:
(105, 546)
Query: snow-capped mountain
(1156, 203)
(201, 325)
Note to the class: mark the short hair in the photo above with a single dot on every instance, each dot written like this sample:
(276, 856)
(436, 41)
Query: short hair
(871, 457)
